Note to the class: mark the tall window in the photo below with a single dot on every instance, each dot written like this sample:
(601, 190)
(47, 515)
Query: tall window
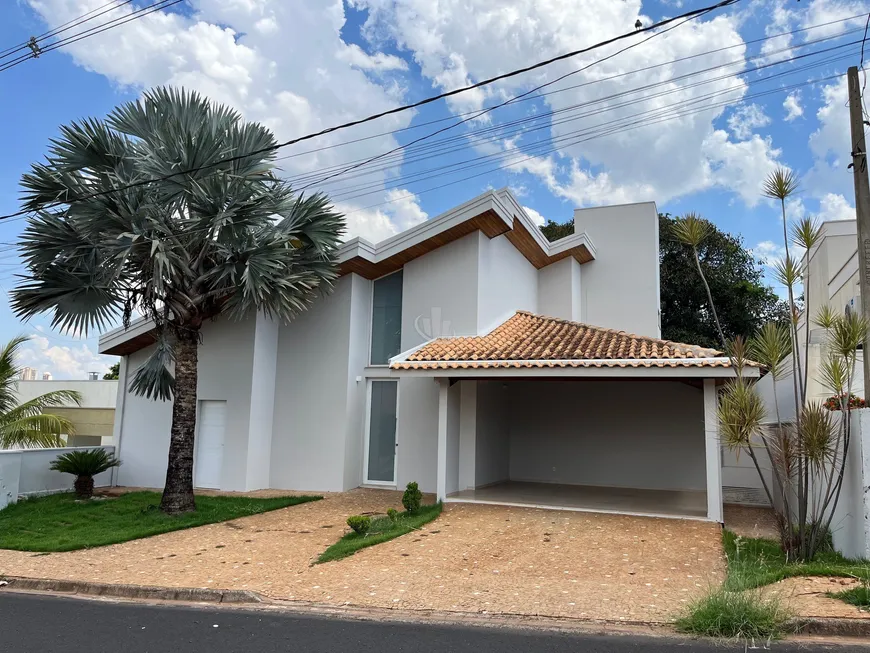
(387, 318)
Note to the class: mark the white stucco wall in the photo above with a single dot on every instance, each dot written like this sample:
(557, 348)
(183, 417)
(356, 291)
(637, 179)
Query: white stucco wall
(95, 394)
(492, 462)
(309, 427)
(647, 435)
(259, 450)
(358, 358)
(507, 282)
(27, 472)
(143, 439)
(439, 297)
(454, 400)
(560, 291)
(851, 522)
(621, 286)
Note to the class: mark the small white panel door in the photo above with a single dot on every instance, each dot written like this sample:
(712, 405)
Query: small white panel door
(210, 444)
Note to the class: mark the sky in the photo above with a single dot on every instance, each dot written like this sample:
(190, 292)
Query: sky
(692, 118)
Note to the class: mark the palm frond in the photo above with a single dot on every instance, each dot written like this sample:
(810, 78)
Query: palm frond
(691, 230)
(780, 184)
(741, 413)
(771, 347)
(806, 233)
(41, 430)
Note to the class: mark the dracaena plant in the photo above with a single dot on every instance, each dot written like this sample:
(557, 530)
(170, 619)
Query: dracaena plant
(807, 452)
(170, 207)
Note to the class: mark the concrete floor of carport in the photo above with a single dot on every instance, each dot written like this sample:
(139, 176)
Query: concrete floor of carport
(585, 498)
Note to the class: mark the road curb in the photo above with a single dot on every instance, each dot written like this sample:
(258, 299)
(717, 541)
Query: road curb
(810, 627)
(140, 592)
(833, 627)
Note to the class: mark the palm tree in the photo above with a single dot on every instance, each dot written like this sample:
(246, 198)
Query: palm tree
(27, 425)
(170, 207)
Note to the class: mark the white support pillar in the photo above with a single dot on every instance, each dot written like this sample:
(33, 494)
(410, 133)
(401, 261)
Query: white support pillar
(467, 433)
(441, 471)
(712, 447)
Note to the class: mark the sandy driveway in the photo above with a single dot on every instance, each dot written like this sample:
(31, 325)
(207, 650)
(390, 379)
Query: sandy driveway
(473, 558)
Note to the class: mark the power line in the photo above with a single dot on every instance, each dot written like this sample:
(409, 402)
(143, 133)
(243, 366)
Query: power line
(93, 31)
(428, 100)
(498, 106)
(64, 27)
(435, 148)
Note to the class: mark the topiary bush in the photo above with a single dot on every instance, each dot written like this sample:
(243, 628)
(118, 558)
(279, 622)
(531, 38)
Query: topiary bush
(412, 498)
(84, 464)
(360, 524)
(393, 514)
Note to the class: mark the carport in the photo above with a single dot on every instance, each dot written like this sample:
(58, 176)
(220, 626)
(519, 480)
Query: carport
(557, 414)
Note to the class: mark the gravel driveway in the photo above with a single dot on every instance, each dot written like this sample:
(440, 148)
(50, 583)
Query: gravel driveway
(474, 558)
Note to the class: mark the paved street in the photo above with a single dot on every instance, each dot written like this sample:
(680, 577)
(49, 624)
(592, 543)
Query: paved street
(42, 624)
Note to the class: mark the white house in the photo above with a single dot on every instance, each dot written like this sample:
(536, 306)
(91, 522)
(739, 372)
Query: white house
(460, 354)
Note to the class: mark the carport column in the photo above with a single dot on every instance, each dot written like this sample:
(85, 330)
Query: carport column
(467, 433)
(441, 472)
(714, 460)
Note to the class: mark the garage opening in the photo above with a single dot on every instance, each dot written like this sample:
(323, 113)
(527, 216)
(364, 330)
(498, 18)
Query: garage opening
(622, 446)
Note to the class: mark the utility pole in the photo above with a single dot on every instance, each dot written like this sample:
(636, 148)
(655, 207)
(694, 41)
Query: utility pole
(862, 206)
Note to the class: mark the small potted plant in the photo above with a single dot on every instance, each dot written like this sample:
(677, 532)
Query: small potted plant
(84, 464)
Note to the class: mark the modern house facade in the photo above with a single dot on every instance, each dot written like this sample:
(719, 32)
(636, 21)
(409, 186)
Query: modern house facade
(467, 354)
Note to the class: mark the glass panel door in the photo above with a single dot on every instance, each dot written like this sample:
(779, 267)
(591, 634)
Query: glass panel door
(381, 444)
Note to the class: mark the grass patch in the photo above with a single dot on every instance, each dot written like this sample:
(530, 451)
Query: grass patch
(743, 615)
(859, 596)
(383, 529)
(58, 523)
(754, 562)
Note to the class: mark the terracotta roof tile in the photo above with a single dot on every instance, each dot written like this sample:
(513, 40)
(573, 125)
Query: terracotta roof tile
(529, 340)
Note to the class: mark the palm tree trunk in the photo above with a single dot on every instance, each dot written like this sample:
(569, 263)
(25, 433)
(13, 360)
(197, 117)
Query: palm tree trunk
(178, 492)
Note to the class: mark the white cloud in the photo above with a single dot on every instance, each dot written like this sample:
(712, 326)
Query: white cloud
(61, 360)
(792, 106)
(401, 211)
(831, 144)
(768, 251)
(283, 64)
(444, 39)
(782, 20)
(745, 119)
(536, 217)
(355, 56)
(835, 207)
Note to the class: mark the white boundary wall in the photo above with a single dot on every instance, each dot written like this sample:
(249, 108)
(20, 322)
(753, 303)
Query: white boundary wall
(26, 472)
(851, 523)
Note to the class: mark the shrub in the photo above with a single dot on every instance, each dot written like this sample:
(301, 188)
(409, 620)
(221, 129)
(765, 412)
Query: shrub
(412, 498)
(393, 514)
(84, 464)
(854, 401)
(745, 614)
(360, 524)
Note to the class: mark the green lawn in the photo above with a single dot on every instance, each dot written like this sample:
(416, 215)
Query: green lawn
(383, 529)
(753, 562)
(58, 523)
(859, 595)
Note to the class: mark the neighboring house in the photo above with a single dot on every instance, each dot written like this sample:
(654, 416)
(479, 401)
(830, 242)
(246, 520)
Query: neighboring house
(460, 354)
(93, 419)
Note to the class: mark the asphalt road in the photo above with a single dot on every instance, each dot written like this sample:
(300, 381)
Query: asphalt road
(44, 624)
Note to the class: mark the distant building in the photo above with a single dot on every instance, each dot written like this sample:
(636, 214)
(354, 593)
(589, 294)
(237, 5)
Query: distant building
(46, 376)
(28, 374)
(93, 376)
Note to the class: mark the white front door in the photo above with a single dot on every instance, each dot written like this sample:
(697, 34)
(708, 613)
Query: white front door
(381, 432)
(210, 444)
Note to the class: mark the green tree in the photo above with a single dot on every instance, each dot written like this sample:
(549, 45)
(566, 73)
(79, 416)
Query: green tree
(743, 302)
(112, 374)
(170, 206)
(26, 424)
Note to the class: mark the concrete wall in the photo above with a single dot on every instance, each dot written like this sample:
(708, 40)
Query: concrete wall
(358, 358)
(647, 435)
(310, 410)
(741, 483)
(259, 445)
(95, 394)
(851, 522)
(560, 292)
(439, 297)
(26, 472)
(454, 399)
(492, 453)
(507, 282)
(621, 286)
